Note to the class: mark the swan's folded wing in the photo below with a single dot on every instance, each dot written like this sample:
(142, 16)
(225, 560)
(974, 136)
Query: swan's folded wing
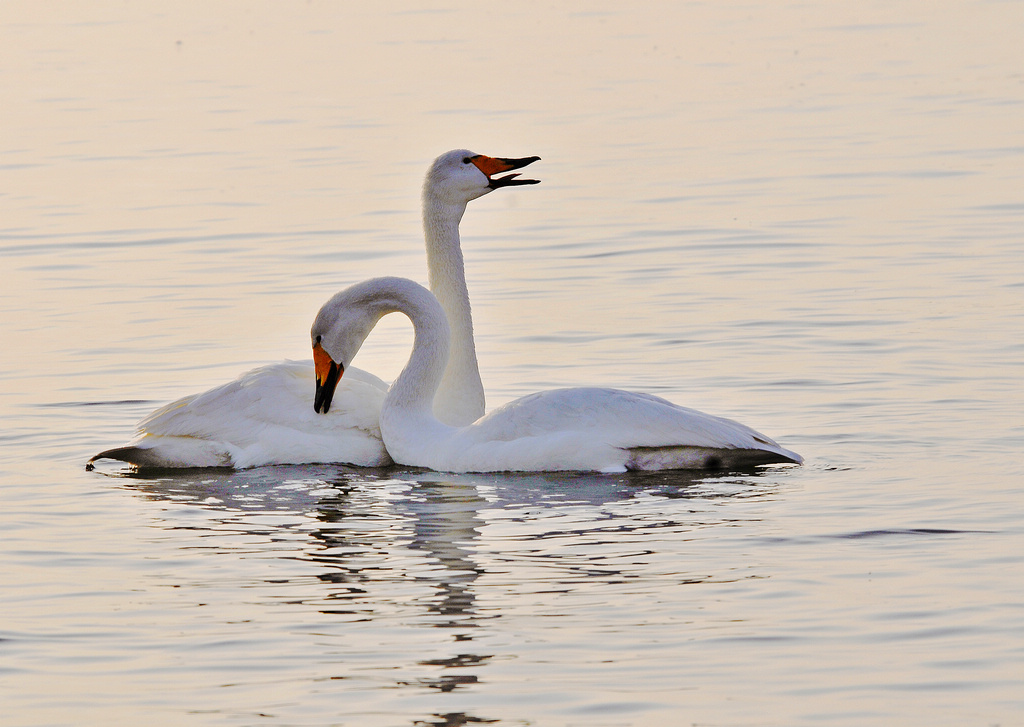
(620, 418)
(279, 394)
(266, 416)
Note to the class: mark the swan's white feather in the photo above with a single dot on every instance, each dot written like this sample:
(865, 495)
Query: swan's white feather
(597, 429)
(265, 416)
(623, 418)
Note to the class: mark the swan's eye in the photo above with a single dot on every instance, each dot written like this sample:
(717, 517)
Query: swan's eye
(318, 339)
(466, 160)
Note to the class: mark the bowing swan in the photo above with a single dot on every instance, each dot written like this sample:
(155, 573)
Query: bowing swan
(589, 429)
(264, 417)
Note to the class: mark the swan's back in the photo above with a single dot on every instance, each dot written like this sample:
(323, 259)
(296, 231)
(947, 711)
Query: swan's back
(623, 418)
(597, 429)
(263, 417)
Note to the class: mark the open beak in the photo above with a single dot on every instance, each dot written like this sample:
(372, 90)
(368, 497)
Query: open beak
(328, 374)
(493, 165)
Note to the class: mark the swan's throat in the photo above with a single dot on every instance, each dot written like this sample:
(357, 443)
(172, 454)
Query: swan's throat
(460, 397)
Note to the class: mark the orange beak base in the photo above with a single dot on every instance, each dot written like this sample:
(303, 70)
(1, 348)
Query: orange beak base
(328, 374)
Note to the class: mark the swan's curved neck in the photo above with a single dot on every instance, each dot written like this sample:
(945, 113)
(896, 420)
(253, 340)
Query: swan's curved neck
(413, 392)
(460, 396)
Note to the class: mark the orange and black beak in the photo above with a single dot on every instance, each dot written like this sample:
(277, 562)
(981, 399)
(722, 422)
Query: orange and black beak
(493, 165)
(328, 374)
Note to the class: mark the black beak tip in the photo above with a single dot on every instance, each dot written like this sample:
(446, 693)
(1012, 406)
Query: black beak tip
(325, 389)
(510, 180)
(320, 406)
(520, 163)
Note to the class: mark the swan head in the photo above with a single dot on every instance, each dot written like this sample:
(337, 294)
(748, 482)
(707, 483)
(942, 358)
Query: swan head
(338, 332)
(344, 322)
(459, 176)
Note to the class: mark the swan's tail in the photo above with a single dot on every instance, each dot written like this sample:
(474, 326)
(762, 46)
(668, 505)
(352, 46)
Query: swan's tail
(707, 458)
(168, 452)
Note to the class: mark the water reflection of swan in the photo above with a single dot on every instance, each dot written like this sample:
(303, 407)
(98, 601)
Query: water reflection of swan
(264, 416)
(410, 522)
(313, 487)
(394, 549)
(446, 524)
(604, 430)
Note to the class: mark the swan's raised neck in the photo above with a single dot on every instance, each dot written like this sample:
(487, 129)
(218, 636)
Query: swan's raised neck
(460, 398)
(454, 179)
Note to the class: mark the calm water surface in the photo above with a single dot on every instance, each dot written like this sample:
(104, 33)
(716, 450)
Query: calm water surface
(809, 218)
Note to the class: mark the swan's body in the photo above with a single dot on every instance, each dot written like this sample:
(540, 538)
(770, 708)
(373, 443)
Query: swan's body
(605, 430)
(264, 416)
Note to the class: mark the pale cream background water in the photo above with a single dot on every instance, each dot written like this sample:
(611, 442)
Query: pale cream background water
(809, 217)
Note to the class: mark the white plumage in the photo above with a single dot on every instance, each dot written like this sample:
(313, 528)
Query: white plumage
(595, 429)
(263, 417)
